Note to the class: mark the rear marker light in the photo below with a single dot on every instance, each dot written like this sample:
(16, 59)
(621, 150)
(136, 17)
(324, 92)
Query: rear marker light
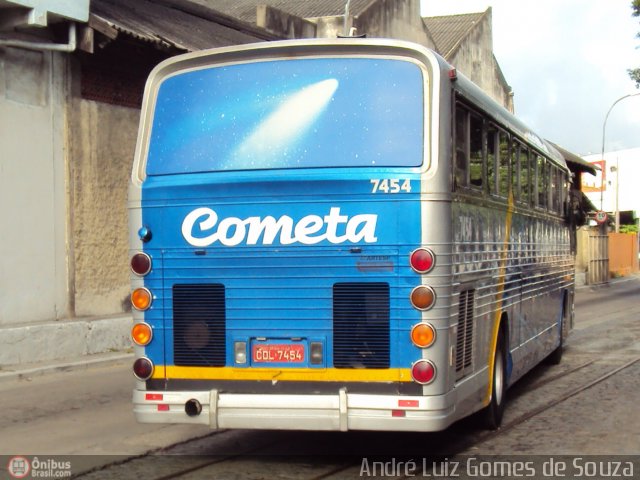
(423, 372)
(143, 368)
(141, 264)
(240, 352)
(145, 234)
(423, 335)
(408, 403)
(317, 357)
(153, 396)
(141, 299)
(422, 260)
(423, 297)
(141, 334)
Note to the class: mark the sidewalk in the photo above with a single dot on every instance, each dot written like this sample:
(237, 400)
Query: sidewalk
(30, 370)
(64, 344)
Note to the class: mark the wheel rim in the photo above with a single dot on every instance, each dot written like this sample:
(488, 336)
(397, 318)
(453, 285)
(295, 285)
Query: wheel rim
(498, 382)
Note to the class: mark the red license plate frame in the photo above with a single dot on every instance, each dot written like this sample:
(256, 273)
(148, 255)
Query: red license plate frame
(277, 353)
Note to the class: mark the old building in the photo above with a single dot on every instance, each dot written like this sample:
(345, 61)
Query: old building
(466, 41)
(71, 83)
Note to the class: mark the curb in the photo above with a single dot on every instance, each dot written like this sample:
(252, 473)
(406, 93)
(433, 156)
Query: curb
(27, 372)
(612, 281)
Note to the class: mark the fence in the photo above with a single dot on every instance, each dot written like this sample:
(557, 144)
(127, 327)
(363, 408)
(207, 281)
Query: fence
(601, 256)
(623, 253)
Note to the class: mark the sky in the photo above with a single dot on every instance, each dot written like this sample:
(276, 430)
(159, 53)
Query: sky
(567, 62)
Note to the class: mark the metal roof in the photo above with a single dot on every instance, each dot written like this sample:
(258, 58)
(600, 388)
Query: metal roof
(448, 32)
(575, 162)
(246, 9)
(174, 24)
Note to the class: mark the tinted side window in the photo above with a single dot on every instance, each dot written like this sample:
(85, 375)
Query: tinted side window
(476, 160)
(461, 141)
(503, 165)
(525, 176)
(543, 182)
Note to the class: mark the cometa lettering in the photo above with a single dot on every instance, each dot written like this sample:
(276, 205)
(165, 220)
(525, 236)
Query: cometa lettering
(309, 230)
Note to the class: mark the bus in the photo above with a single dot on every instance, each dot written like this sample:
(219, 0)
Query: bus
(339, 234)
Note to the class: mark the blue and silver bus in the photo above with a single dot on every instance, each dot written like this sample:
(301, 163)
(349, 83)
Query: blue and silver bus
(339, 234)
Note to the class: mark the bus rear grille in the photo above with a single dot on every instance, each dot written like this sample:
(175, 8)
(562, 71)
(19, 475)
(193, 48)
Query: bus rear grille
(199, 320)
(464, 341)
(361, 325)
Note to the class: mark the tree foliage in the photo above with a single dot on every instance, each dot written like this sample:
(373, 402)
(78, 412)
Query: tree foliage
(635, 72)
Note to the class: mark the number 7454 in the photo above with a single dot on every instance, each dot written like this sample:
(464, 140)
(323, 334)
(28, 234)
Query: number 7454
(390, 185)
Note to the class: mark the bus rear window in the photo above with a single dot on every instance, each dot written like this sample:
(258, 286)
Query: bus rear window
(281, 114)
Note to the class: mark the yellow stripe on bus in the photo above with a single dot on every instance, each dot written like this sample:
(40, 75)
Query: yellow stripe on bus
(288, 374)
(501, 281)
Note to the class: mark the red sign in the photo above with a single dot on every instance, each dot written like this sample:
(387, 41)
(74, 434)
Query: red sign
(601, 217)
(278, 353)
(597, 183)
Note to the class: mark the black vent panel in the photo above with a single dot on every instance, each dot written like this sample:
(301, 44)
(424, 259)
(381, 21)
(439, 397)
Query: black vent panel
(361, 325)
(464, 341)
(199, 323)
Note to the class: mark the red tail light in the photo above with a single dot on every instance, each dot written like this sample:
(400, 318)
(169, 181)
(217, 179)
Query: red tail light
(423, 372)
(423, 297)
(422, 260)
(143, 368)
(141, 264)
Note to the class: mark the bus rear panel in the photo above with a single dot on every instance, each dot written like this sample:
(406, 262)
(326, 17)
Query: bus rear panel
(292, 241)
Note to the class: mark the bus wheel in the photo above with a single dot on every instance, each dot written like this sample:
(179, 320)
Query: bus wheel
(492, 414)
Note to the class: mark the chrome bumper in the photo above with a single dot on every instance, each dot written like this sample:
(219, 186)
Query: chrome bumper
(340, 412)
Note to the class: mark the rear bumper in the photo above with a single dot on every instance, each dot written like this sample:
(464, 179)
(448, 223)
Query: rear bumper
(340, 412)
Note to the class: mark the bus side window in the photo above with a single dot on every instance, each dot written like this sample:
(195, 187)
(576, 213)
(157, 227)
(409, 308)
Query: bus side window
(515, 170)
(553, 189)
(525, 176)
(492, 157)
(503, 166)
(543, 182)
(461, 147)
(476, 161)
(558, 197)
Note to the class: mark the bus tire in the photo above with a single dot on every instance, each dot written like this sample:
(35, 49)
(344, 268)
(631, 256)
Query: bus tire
(492, 413)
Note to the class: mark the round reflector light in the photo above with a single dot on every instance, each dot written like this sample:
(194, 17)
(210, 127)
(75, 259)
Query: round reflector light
(141, 299)
(423, 297)
(143, 368)
(423, 335)
(141, 264)
(141, 334)
(423, 372)
(422, 260)
(145, 234)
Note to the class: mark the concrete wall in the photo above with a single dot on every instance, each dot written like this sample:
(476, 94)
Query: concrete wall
(33, 267)
(475, 59)
(101, 147)
(399, 19)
